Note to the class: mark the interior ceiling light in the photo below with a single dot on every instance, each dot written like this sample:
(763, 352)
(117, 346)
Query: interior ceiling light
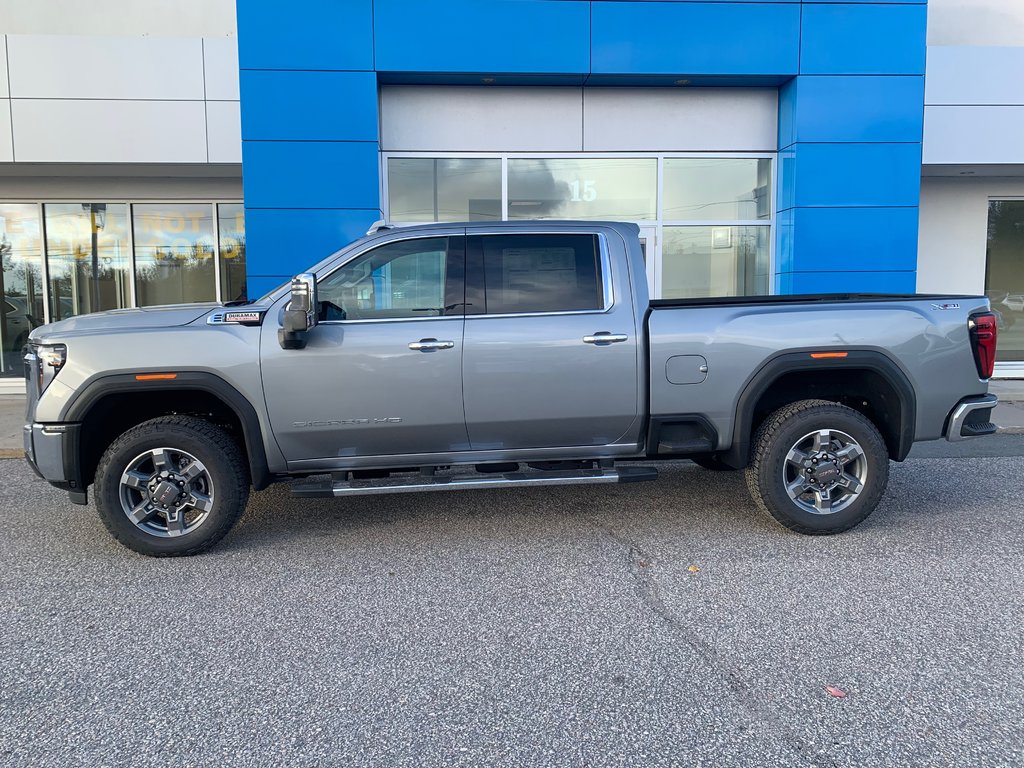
(682, 82)
(486, 80)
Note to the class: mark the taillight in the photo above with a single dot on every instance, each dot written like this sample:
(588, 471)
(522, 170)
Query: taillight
(983, 339)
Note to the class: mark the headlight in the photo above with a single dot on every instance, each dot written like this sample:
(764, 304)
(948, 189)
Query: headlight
(49, 360)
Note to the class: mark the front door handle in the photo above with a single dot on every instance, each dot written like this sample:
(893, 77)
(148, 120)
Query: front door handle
(428, 345)
(603, 337)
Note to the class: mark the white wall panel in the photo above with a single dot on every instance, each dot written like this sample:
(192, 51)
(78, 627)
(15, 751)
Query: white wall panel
(472, 119)
(481, 119)
(6, 140)
(179, 18)
(220, 61)
(954, 231)
(4, 92)
(974, 75)
(699, 119)
(978, 135)
(69, 131)
(224, 131)
(75, 66)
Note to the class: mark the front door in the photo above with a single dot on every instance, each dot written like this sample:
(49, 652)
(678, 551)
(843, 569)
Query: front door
(551, 352)
(382, 371)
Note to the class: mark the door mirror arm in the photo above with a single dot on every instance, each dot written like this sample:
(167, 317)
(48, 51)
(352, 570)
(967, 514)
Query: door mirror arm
(300, 313)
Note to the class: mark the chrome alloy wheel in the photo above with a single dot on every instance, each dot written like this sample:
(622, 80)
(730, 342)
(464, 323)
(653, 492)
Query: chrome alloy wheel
(825, 471)
(166, 492)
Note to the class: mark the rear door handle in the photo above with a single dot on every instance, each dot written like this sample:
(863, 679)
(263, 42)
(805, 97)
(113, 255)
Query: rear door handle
(603, 337)
(428, 345)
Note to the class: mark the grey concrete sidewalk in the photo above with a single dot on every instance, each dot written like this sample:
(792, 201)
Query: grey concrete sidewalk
(1009, 414)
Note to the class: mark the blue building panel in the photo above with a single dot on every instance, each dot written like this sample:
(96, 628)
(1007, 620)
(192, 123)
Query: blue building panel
(488, 37)
(695, 38)
(847, 239)
(847, 282)
(310, 174)
(292, 240)
(849, 74)
(862, 39)
(823, 108)
(849, 175)
(305, 34)
(309, 106)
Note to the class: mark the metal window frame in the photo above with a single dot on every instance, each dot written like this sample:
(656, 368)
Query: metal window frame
(657, 224)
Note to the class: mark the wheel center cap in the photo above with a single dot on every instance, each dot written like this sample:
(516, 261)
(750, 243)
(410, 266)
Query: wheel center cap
(165, 493)
(827, 473)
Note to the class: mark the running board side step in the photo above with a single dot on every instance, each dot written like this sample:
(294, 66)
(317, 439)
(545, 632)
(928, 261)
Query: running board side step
(453, 482)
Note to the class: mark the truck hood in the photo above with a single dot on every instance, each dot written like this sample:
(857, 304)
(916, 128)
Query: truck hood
(123, 319)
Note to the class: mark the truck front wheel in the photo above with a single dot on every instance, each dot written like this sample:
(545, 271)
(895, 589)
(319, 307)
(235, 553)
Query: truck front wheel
(818, 467)
(171, 486)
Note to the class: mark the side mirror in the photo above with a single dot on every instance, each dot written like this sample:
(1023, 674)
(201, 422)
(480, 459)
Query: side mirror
(299, 315)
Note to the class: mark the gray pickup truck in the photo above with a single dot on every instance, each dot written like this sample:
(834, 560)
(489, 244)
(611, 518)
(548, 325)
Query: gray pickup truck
(491, 355)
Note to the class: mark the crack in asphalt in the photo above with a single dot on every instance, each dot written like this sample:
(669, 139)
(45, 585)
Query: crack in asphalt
(640, 564)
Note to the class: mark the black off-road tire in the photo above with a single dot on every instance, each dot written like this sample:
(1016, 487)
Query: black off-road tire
(780, 432)
(712, 463)
(225, 465)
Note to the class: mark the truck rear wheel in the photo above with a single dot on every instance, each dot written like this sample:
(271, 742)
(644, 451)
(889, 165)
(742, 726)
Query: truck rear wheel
(171, 486)
(817, 467)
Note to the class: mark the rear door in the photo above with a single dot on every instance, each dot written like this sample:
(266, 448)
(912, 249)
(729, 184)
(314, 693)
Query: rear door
(551, 352)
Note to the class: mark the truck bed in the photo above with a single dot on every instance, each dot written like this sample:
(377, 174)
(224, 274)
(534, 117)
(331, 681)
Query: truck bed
(809, 298)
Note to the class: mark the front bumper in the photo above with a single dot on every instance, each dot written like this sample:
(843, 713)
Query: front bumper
(972, 417)
(52, 452)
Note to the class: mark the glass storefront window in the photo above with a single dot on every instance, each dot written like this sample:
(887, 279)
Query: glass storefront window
(87, 257)
(704, 189)
(703, 261)
(619, 189)
(1004, 275)
(21, 283)
(173, 253)
(444, 189)
(231, 231)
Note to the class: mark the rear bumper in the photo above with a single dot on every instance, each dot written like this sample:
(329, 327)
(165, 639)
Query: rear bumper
(52, 452)
(972, 417)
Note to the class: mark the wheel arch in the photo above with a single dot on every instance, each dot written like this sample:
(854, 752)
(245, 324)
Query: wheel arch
(872, 382)
(188, 391)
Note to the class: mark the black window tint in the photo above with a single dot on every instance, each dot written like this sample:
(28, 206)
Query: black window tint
(541, 273)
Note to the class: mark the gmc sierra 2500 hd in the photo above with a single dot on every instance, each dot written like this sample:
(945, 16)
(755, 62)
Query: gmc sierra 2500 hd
(491, 355)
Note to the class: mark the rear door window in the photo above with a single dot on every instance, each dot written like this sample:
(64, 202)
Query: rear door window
(541, 273)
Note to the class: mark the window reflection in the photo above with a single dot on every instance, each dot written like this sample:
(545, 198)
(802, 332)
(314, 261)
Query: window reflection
(173, 253)
(623, 189)
(1004, 275)
(715, 261)
(21, 299)
(444, 189)
(703, 189)
(231, 231)
(87, 257)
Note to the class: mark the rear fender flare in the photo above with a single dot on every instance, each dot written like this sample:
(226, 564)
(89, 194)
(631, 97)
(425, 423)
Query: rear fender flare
(791, 362)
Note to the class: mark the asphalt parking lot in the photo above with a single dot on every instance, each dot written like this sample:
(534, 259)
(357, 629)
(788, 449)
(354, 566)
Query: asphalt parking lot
(542, 627)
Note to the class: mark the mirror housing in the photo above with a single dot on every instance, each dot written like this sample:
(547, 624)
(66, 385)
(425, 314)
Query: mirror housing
(299, 315)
